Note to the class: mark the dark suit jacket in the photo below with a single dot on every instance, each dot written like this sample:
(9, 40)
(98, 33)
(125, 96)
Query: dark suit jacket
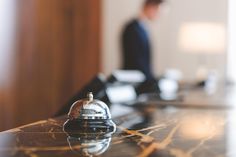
(136, 49)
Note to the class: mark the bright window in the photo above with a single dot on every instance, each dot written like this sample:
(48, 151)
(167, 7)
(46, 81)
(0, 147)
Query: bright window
(7, 25)
(231, 70)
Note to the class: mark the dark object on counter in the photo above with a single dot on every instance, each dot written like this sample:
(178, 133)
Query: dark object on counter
(89, 116)
(97, 85)
(149, 86)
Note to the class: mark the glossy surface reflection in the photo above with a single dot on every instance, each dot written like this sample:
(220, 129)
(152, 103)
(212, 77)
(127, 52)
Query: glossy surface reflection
(90, 144)
(147, 131)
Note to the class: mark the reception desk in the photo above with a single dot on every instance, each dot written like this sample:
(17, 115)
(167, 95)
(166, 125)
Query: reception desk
(142, 131)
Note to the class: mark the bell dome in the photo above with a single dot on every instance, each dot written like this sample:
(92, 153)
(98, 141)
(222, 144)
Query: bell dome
(89, 109)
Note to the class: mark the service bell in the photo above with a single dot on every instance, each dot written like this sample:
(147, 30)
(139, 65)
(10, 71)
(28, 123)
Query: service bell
(89, 115)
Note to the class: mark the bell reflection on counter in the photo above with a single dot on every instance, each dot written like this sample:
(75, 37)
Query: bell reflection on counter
(89, 144)
(89, 116)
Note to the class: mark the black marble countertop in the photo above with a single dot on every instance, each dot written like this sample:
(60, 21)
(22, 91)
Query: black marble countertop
(142, 131)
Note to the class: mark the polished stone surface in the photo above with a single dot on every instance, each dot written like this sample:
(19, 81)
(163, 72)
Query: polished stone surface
(141, 131)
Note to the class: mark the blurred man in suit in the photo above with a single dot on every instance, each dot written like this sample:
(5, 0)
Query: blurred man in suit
(136, 42)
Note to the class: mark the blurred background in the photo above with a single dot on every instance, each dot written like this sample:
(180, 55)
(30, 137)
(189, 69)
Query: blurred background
(49, 49)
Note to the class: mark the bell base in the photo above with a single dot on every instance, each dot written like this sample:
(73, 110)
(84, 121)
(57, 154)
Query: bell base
(80, 126)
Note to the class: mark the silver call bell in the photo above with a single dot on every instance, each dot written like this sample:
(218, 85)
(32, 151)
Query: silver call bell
(89, 115)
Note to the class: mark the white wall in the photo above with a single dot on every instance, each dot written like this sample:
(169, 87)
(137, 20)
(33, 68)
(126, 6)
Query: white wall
(164, 32)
